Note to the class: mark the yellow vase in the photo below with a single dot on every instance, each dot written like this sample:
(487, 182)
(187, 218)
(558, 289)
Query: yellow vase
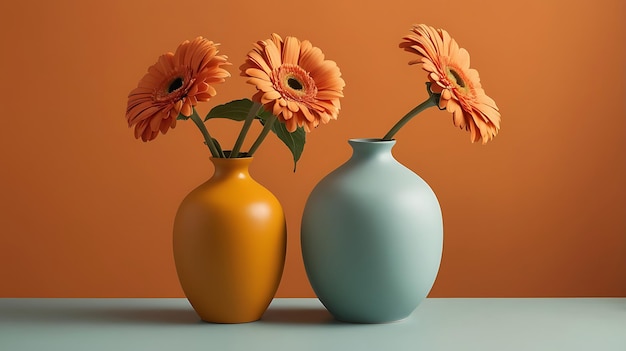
(229, 245)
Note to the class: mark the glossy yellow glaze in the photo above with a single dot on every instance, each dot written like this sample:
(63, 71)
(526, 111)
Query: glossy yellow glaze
(229, 245)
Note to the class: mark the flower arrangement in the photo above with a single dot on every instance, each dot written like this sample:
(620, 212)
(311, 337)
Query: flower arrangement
(297, 89)
(452, 85)
(295, 85)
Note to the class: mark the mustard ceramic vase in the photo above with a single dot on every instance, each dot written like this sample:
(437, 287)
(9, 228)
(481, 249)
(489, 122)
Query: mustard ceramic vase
(229, 245)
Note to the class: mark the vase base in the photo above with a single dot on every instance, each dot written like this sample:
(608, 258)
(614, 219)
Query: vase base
(392, 321)
(229, 322)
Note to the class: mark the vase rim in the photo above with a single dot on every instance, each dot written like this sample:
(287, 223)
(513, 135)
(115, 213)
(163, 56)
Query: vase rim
(371, 140)
(231, 162)
(233, 158)
(227, 154)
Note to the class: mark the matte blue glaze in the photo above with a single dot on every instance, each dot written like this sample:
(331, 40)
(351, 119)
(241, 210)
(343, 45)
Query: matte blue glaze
(372, 237)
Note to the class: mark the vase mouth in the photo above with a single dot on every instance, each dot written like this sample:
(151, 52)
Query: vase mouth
(231, 159)
(371, 140)
(242, 155)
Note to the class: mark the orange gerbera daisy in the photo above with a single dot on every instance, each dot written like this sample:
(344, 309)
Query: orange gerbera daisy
(458, 85)
(173, 86)
(294, 81)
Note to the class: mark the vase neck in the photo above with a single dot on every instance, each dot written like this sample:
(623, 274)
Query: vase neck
(371, 148)
(231, 167)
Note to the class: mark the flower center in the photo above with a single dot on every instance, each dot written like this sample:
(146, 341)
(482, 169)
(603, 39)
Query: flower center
(457, 77)
(294, 83)
(175, 85)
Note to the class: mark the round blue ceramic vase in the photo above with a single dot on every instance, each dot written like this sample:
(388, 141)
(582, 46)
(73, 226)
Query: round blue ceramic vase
(372, 237)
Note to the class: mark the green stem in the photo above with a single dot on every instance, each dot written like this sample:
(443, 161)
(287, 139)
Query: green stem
(266, 129)
(430, 102)
(207, 137)
(254, 109)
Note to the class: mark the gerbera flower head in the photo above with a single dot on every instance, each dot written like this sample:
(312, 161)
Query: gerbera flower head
(457, 84)
(294, 81)
(173, 86)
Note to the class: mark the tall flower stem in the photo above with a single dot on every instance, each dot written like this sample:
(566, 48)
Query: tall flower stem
(430, 102)
(254, 109)
(207, 137)
(266, 129)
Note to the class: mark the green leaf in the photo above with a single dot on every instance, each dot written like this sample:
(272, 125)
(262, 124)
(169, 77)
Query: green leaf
(295, 141)
(236, 110)
(218, 146)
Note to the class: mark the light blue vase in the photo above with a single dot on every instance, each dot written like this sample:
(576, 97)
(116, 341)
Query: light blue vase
(372, 237)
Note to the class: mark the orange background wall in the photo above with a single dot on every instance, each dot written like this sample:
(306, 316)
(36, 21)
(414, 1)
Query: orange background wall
(87, 210)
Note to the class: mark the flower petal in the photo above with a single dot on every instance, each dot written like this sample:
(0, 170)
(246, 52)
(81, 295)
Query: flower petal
(450, 75)
(153, 106)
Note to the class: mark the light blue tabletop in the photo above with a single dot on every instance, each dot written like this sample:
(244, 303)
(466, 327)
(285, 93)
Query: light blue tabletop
(597, 324)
